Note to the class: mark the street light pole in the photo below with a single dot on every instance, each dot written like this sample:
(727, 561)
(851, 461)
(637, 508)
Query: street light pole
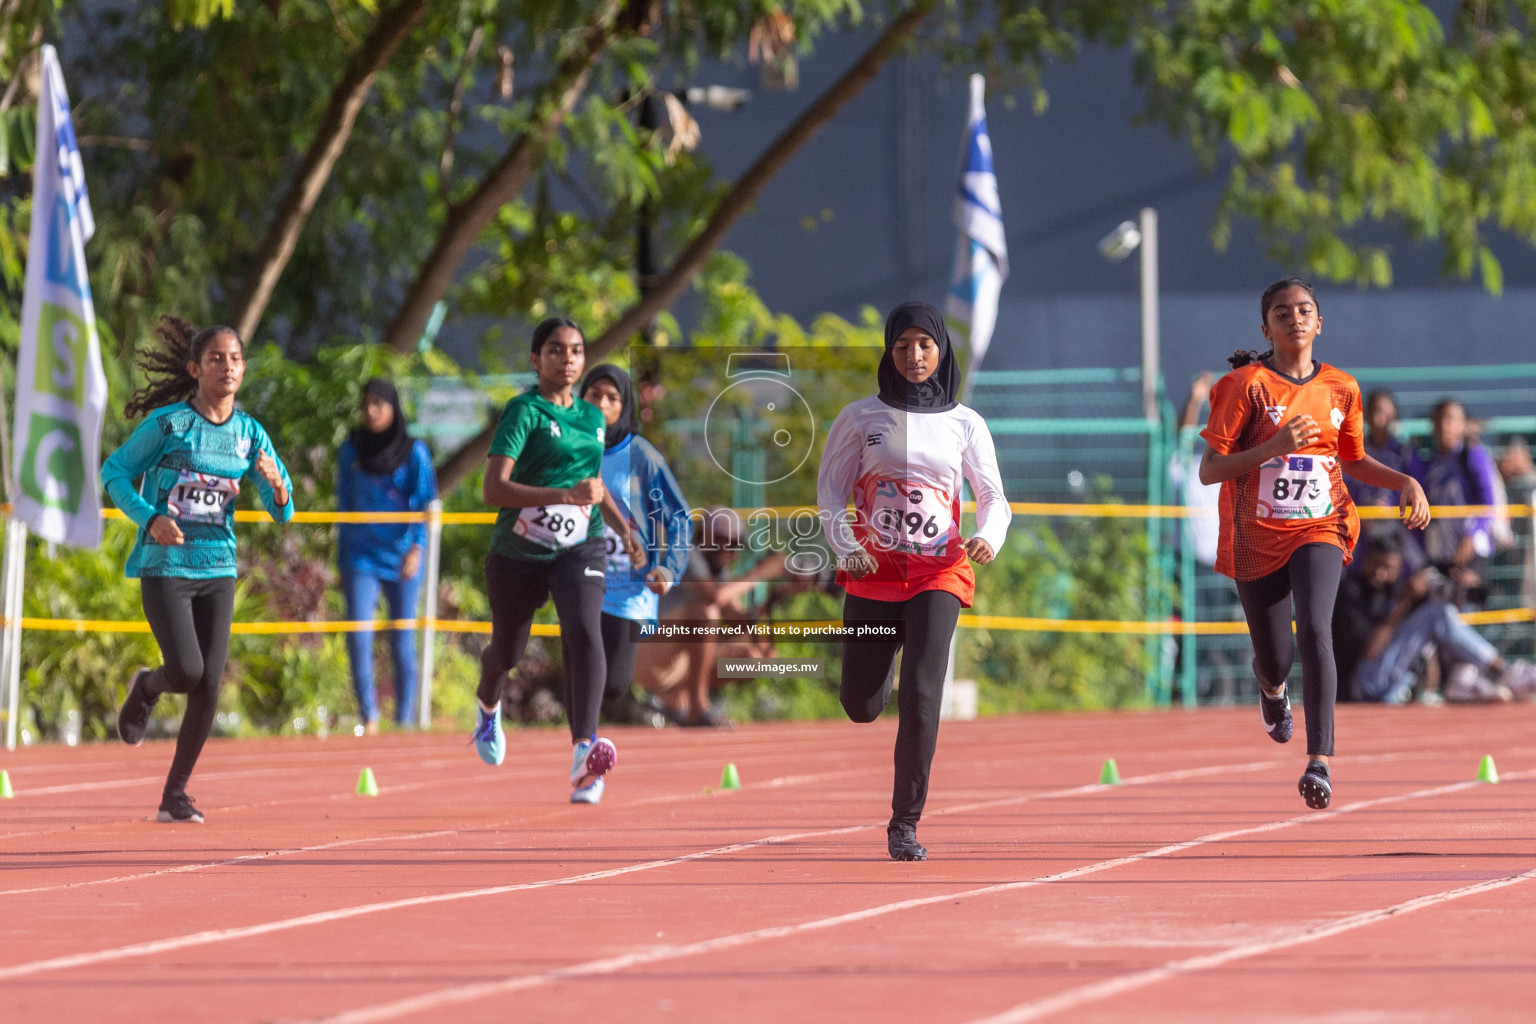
(1150, 341)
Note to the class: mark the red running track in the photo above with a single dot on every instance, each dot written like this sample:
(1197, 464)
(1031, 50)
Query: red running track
(1201, 889)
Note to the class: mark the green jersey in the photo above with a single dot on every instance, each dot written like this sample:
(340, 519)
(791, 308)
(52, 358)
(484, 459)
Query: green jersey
(552, 446)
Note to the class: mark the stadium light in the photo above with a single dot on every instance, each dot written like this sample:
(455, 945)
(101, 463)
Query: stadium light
(716, 97)
(1116, 246)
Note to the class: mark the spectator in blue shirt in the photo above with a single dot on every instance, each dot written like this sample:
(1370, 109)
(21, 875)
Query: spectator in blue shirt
(380, 468)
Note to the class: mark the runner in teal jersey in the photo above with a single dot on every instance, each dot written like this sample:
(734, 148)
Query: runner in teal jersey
(192, 451)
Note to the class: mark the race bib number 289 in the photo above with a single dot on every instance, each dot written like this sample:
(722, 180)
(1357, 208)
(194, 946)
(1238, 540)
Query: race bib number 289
(1295, 487)
(554, 526)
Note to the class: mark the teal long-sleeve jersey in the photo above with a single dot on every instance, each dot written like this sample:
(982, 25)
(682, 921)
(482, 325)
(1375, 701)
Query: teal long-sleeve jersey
(191, 469)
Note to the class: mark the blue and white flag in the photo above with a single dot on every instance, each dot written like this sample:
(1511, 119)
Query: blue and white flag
(61, 391)
(981, 252)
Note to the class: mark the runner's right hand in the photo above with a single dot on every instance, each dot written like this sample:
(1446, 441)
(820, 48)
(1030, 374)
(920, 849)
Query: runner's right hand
(1298, 433)
(165, 531)
(858, 565)
(588, 492)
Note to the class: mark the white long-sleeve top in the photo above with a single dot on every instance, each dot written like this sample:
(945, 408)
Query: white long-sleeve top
(903, 471)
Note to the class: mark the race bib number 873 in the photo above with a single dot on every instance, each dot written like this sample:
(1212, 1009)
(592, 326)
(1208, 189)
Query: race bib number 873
(1295, 487)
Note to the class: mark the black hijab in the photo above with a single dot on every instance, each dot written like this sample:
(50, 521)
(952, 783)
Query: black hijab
(941, 390)
(625, 424)
(382, 453)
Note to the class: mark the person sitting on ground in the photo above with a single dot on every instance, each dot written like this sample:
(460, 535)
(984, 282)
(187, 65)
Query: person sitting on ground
(1461, 472)
(1383, 624)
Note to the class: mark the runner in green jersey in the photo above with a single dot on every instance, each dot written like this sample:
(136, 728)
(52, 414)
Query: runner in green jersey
(544, 474)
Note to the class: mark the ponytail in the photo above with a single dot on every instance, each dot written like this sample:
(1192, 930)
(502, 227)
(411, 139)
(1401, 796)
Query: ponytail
(1243, 356)
(165, 363)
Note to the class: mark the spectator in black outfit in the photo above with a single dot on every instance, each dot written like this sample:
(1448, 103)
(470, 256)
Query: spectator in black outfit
(1384, 624)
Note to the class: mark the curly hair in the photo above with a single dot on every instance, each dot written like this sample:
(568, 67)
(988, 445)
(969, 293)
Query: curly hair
(165, 363)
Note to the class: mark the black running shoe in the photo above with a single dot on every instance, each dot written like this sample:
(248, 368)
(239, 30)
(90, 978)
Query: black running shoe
(133, 716)
(179, 808)
(901, 840)
(1275, 712)
(1314, 786)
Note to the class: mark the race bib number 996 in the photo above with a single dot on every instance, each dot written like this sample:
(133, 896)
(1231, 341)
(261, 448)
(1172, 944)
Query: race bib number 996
(554, 526)
(1295, 487)
(910, 518)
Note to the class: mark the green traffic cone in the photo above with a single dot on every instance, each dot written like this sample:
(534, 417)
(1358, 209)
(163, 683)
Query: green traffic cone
(367, 785)
(729, 779)
(1486, 772)
(6, 792)
(1110, 775)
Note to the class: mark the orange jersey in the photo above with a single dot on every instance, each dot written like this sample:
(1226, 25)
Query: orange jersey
(1270, 511)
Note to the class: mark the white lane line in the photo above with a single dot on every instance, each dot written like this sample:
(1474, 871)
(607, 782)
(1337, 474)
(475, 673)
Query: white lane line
(408, 837)
(182, 869)
(210, 936)
(1076, 997)
(655, 954)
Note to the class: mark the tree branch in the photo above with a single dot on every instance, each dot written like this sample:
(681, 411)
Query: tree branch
(335, 128)
(670, 285)
(744, 193)
(508, 178)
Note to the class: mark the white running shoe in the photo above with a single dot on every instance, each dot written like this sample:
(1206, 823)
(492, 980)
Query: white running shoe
(1466, 684)
(1520, 677)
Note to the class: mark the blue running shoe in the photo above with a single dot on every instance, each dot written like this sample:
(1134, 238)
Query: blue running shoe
(591, 793)
(490, 742)
(592, 759)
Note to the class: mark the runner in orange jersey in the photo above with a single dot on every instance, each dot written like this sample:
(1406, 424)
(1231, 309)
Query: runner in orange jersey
(1283, 430)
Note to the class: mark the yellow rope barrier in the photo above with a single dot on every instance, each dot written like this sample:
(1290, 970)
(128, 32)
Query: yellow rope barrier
(1012, 623)
(999, 622)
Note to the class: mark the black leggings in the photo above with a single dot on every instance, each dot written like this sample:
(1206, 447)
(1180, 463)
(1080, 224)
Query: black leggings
(1311, 577)
(517, 589)
(190, 620)
(869, 670)
(619, 653)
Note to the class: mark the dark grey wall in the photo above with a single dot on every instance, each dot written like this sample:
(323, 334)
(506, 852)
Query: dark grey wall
(885, 172)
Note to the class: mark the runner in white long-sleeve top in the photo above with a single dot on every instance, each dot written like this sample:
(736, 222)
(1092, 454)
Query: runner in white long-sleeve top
(901, 455)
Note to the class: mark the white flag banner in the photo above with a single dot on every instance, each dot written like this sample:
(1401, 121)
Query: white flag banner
(61, 391)
(981, 251)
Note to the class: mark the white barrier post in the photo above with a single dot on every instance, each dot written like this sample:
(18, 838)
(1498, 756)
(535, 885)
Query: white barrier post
(10, 659)
(428, 633)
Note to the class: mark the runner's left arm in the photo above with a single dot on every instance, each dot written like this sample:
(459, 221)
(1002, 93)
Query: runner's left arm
(269, 494)
(615, 520)
(1354, 461)
(978, 463)
(670, 510)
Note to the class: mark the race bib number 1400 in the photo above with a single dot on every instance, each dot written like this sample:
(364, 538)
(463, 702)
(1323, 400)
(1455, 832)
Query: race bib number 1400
(1295, 487)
